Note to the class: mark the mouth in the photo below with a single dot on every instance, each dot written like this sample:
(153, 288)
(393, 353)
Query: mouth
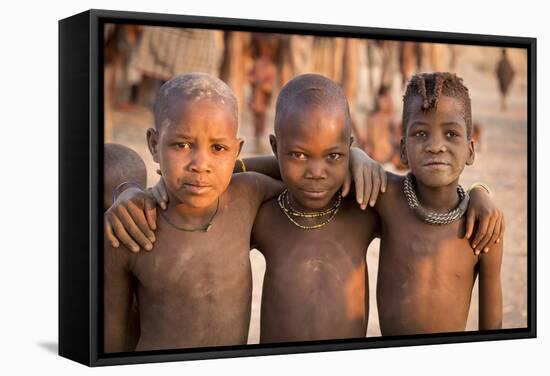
(315, 193)
(436, 164)
(197, 187)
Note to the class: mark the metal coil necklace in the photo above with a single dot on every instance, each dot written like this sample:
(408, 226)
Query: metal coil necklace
(430, 217)
(205, 228)
(290, 212)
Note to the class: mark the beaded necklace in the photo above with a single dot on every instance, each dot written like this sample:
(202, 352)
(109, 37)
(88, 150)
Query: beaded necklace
(431, 217)
(290, 212)
(205, 228)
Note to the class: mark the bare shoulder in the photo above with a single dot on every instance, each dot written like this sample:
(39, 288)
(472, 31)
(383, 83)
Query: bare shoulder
(267, 211)
(256, 185)
(366, 219)
(393, 192)
(266, 225)
(119, 258)
(250, 181)
(395, 182)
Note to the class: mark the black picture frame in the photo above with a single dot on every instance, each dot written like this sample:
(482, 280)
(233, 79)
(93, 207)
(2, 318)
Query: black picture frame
(81, 182)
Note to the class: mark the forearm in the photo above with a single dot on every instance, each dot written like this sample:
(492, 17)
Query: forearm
(490, 305)
(490, 290)
(266, 165)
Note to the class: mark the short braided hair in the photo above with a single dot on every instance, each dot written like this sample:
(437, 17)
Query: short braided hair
(429, 87)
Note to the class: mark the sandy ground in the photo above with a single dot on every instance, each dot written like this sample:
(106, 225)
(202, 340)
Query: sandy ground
(501, 163)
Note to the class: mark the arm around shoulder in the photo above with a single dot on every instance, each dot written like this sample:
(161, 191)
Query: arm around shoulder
(260, 187)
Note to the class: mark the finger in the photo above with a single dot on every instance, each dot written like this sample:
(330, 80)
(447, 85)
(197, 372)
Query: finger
(346, 185)
(133, 229)
(158, 197)
(502, 228)
(484, 242)
(109, 234)
(481, 231)
(383, 179)
(122, 234)
(138, 215)
(359, 185)
(367, 187)
(470, 220)
(375, 187)
(151, 215)
(496, 231)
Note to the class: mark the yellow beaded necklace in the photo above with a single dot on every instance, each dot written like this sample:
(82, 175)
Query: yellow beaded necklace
(289, 211)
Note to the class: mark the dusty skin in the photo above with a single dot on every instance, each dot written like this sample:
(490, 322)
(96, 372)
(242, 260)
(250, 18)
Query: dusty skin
(195, 289)
(426, 273)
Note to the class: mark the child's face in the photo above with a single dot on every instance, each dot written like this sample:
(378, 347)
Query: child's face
(313, 153)
(197, 153)
(435, 145)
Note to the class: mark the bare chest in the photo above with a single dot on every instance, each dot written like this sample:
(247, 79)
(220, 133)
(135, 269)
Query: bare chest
(412, 247)
(195, 261)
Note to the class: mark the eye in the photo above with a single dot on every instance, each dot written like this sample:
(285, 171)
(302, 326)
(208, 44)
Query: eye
(183, 145)
(218, 147)
(419, 134)
(451, 134)
(334, 156)
(297, 155)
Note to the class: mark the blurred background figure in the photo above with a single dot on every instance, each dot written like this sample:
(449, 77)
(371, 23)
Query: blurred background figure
(163, 52)
(505, 75)
(381, 56)
(262, 77)
(120, 79)
(372, 73)
(408, 61)
(380, 143)
(434, 57)
(236, 64)
(296, 57)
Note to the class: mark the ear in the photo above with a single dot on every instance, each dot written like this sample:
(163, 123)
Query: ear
(471, 152)
(273, 143)
(241, 143)
(403, 152)
(152, 143)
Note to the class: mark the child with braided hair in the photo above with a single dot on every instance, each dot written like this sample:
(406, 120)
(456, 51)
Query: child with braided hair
(426, 275)
(313, 239)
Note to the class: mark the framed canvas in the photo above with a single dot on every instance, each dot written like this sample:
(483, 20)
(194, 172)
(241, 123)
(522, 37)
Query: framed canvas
(176, 303)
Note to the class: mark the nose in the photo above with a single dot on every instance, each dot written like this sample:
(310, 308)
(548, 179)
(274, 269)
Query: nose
(315, 170)
(200, 161)
(435, 144)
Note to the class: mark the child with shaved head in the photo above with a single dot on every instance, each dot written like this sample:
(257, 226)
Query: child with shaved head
(122, 164)
(314, 240)
(195, 289)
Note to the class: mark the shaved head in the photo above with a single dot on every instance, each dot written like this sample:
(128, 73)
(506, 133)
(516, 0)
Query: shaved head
(190, 87)
(310, 90)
